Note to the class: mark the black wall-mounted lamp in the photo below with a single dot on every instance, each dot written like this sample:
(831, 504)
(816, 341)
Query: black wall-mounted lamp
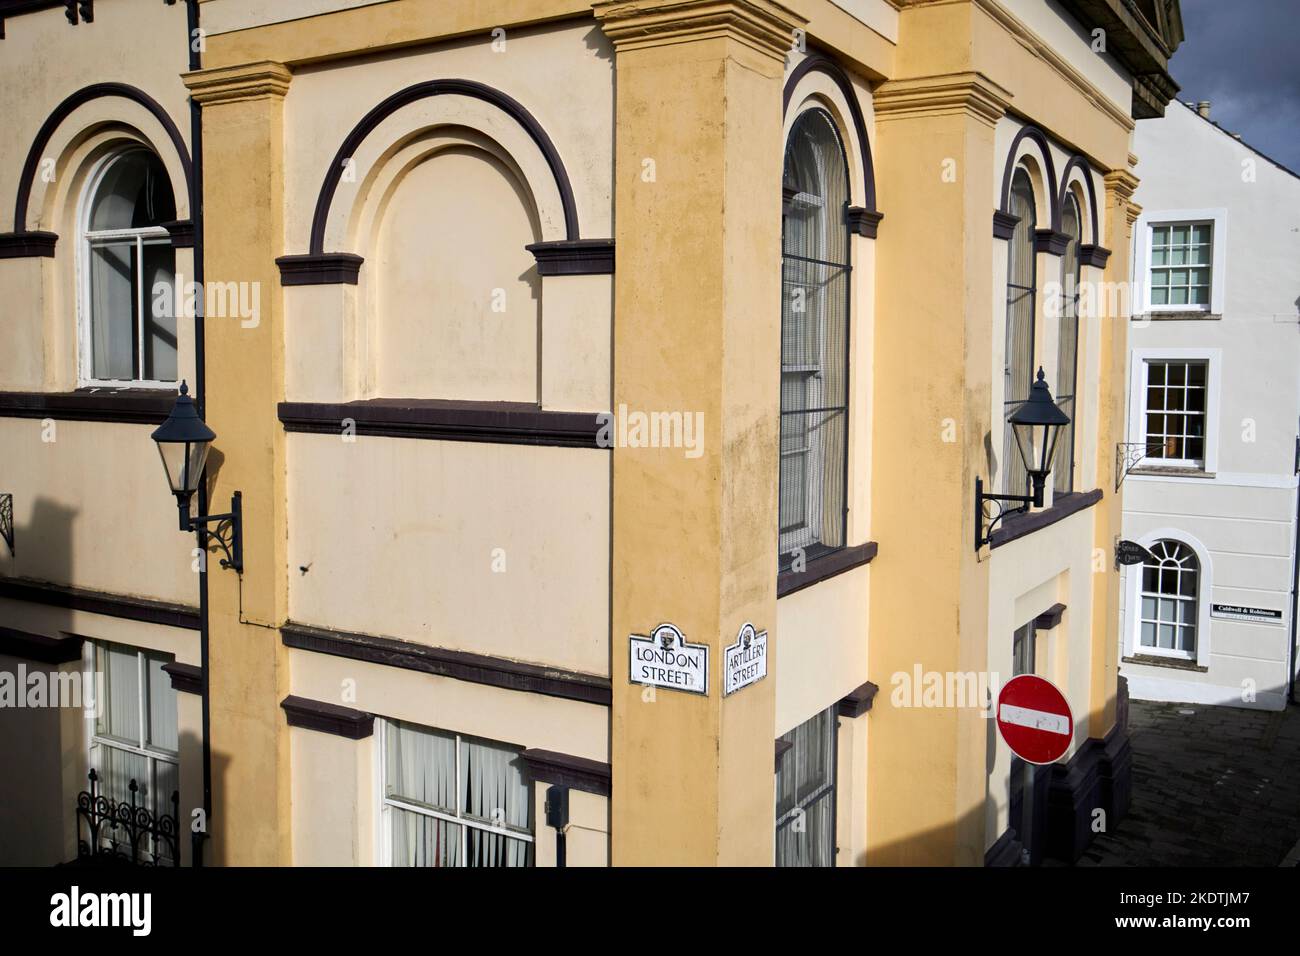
(183, 443)
(1036, 423)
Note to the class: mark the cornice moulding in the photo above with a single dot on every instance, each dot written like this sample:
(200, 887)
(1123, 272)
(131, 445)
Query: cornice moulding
(763, 25)
(232, 84)
(1036, 46)
(971, 93)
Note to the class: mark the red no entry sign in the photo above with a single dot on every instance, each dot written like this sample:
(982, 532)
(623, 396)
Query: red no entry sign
(1034, 719)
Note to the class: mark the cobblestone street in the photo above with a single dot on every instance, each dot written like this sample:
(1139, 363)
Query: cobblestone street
(1212, 786)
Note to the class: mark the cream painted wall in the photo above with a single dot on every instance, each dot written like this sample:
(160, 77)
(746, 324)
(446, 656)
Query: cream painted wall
(335, 784)
(420, 522)
(54, 744)
(46, 59)
(587, 839)
(1026, 577)
(457, 293)
(92, 509)
(821, 649)
(324, 103)
(1060, 31)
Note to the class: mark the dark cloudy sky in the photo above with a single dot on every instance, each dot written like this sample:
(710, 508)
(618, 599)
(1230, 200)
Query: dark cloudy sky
(1244, 57)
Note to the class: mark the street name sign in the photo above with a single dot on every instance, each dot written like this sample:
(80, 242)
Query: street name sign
(744, 662)
(665, 659)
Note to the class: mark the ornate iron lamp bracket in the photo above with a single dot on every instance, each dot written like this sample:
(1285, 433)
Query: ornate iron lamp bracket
(991, 509)
(227, 533)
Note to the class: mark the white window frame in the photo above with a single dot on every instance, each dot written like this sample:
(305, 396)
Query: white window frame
(1204, 596)
(1217, 219)
(97, 703)
(1137, 404)
(85, 237)
(384, 828)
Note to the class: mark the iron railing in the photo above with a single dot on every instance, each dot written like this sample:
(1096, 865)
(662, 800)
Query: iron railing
(124, 832)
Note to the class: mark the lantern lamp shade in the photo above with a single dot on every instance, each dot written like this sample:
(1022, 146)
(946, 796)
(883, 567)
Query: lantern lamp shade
(1036, 424)
(183, 443)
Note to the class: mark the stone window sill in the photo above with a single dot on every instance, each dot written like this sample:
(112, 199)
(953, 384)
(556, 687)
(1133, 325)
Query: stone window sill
(1173, 663)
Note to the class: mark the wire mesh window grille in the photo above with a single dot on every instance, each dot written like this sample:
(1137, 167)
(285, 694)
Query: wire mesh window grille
(1067, 352)
(805, 794)
(815, 270)
(1169, 591)
(1175, 412)
(1021, 291)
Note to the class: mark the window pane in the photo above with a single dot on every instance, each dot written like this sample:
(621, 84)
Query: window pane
(160, 322)
(1201, 234)
(418, 840)
(805, 834)
(1148, 634)
(1201, 295)
(162, 705)
(1156, 373)
(1159, 235)
(116, 769)
(113, 308)
(493, 849)
(134, 193)
(493, 788)
(420, 766)
(120, 710)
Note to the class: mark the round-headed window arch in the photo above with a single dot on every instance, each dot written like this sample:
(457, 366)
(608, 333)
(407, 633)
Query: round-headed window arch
(815, 295)
(128, 326)
(1170, 589)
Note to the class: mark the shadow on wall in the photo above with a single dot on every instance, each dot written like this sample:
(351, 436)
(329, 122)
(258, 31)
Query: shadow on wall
(41, 747)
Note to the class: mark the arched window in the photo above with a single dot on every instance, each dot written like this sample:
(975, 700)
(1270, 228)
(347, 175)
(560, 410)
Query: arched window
(1020, 323)
(814, 339)
(1170, 584)
(1067, 352)
(128, 331)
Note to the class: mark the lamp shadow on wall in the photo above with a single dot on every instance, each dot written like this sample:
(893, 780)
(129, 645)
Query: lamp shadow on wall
(37, 811)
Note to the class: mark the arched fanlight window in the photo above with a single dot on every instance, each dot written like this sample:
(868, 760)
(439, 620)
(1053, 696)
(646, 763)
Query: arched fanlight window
(814, 339)
(1067, 353)
(1170, 584)
(128, 332)
(1019, 367)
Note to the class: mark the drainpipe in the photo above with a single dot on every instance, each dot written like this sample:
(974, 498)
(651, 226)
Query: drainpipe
(200, 396)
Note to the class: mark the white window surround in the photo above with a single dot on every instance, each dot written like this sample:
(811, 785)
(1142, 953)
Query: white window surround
(1137, 402)
(1133, 588)
(1218, 218)
(85, 352)
(383, 848)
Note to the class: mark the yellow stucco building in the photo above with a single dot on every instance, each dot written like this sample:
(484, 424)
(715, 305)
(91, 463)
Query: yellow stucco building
(603, 388)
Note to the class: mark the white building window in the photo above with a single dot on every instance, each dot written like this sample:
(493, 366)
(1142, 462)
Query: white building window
(128, 336)
(450, 800)
(1181, 264)
(1175, 414)
(135, 731)
(1174, 405)
(1169, 595)
(805, 793)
